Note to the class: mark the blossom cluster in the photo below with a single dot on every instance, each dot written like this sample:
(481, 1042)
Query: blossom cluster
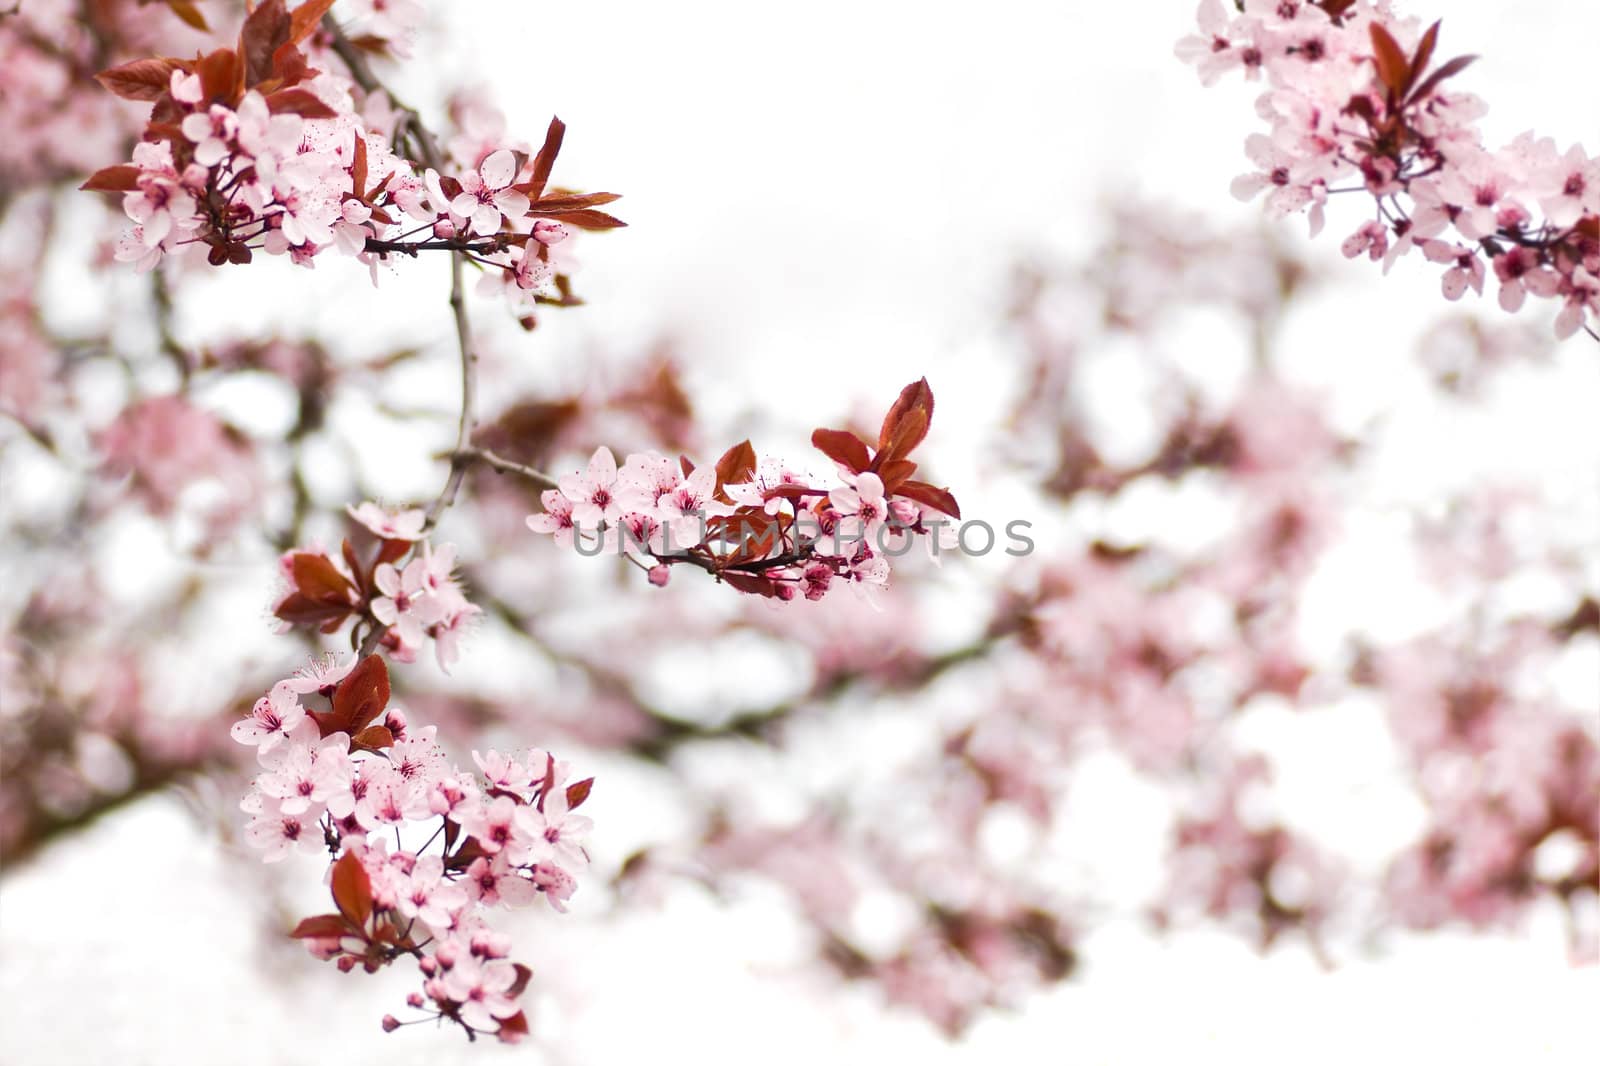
(344, 774)
(407, 591)
(254, 150)
(763, 525)
(1351, 95)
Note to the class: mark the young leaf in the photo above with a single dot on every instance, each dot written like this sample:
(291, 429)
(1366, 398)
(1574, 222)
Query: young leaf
(317, 578)
(121, 178)
(842, 447)
(737, 466)
(1394, 70)
(322, 927)
(1424, 53)
(265, 29)
(352, 889)
(189, 14)
(914, 396)
(302, 102)
(303, 19)
(545, 159)
(361, 696)
(142, 79)
(578, 791)
(928, 496)
(1431, 82)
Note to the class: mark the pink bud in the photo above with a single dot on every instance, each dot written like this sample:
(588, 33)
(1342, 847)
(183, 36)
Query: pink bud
(428, 965)
(390, 1023)
(347, 963)
(785, 591)
(548, 232)
(660, 575)
(414, 1000)
(444, 229)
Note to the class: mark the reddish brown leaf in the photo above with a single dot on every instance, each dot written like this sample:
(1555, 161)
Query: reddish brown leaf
(575, 202)
(589, 220)
(737, 466)
(120, 178)
(928, 496)
(189, 14)
(143, 79)
(318, 579)
(220, 75)
(265, 30)
(842, 447)
(352, 889)
(373, 737)
(289, 67)
(1394, 69)
(1432, 81)
(354, 564)
(752, 583)
(520, 985)
(302, 102)
(1424, 53)
(513, 1028)
(578, 791)
(914, 396)
(545, 159)
(358, 168)
(392, 550)
(895, 472)
(298, 610)
(323, 927)
(908, 433)
(303, 19)
(361, 696)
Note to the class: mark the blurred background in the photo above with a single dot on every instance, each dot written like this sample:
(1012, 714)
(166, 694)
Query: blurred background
(1281, 742)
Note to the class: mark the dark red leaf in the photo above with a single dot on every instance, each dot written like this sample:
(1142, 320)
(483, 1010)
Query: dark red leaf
(578, 791)
(577, 201)
(908, 433)
(1424, 52)
(120, 178)
(914, 396)
(896, 472)
(373, 737)
(189, 14)
(361, 696)
(520, 985)
(358, 168)
(928, 496)
(1432, 81)
(352, 889)
(1394, 69)
(303, 19)
(143, 79)
(737, 466)
(392, 550)
(297, 610)
(842, 447)
(220, 75)
(318, 579)
(513, 1028)
(265, 30)
(302, 102)
(752, 583)
(323, 927)
(589, 220)
(545, 159)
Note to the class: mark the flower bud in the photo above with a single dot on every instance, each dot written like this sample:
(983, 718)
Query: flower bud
(548, 232)
(660, 575)
(390, 1023)
(444, 229)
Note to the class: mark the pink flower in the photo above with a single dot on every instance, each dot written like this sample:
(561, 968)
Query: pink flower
(270, 720)
(427, 896)
(556, 519)
(687, 506)
(210, 131)
(1582, 292)
(593, 495)
(322, 675)
(1569, 187)
(555, 833)
(494, 881)
(278, 832)
(864, 504)
(390, 525)
(493, 823)
(481, 988)
(556, 884)
(485, 196)
(405, 604)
